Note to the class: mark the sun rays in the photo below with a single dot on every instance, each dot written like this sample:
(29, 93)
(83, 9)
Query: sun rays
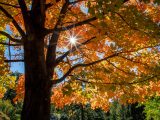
(72, 39)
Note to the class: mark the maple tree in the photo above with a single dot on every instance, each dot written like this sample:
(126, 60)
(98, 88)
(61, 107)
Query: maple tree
(90, 51)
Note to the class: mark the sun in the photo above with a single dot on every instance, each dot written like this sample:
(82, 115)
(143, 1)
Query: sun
(73, 39)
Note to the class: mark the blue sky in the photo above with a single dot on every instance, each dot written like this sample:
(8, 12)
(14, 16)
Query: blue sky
(14, 66)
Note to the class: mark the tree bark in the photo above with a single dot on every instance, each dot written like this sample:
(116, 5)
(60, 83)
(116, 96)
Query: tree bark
(82, 112)
(36, 104)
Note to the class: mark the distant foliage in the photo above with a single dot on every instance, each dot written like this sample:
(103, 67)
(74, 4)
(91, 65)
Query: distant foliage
(117, 111)
(120, 112)
(152, 109)
(8, 111)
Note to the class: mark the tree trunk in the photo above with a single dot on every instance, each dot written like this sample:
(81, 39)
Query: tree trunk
(36, 104)
(82, 112)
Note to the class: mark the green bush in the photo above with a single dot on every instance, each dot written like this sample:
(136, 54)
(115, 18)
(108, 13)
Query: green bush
(8, 111)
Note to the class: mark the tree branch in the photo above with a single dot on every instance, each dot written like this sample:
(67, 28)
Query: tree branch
(77, 1)
(131, 60)
(82, 65)
(117, 83)
(13, 61)
(8, 44)
(48, 5)
(50, 59)
(99, 83)
(95, 62)
(132, 27)
(9, 37)
(10, 5)
(23, 9)
(9, 52)
(128, 73)
(64, 28)
(146, 79)
(13, 21)
(62, 13)
(77, 24)
(126, 21)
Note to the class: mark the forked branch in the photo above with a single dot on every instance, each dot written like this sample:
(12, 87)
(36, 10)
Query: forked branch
(95, 62)
(82, 65)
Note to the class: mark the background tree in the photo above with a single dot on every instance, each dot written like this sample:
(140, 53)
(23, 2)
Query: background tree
(152, 108)
(111, 51)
